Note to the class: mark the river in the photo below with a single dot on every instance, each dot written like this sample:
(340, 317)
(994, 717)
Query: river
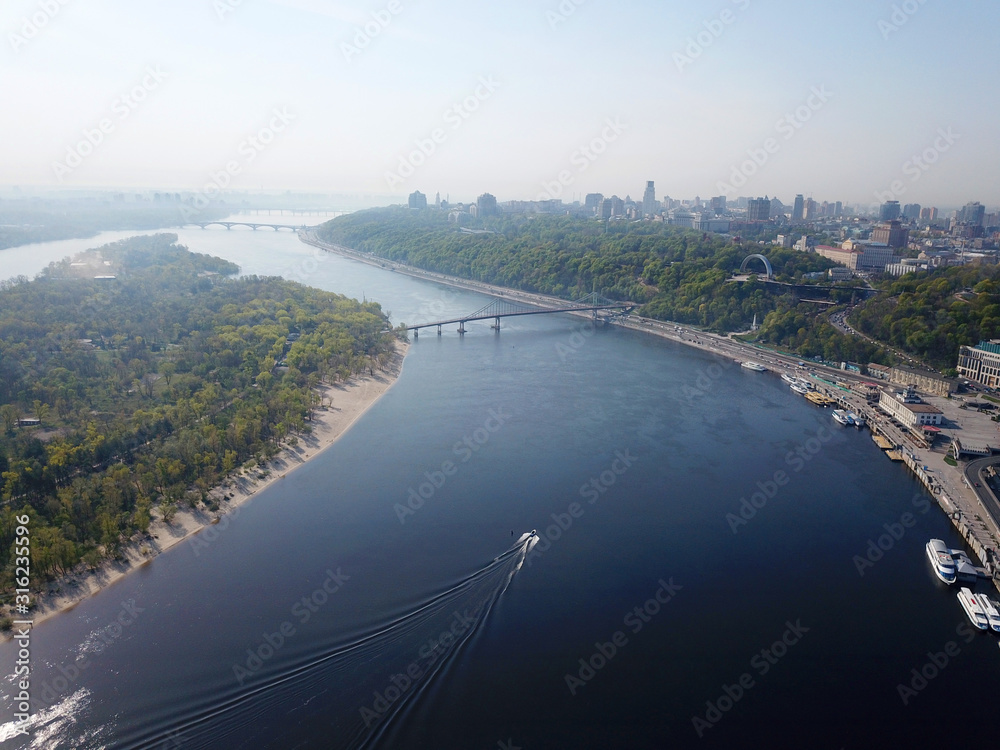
(708, 570)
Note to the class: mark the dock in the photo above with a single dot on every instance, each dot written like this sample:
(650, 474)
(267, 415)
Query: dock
(882, 442)
(894, 455)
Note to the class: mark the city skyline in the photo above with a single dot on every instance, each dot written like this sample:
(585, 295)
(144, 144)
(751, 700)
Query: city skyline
(857, 102)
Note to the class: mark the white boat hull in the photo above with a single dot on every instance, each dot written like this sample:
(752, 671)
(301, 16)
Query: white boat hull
(974, 610)
(941, 561)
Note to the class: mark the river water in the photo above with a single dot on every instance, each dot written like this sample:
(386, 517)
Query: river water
(707, 571)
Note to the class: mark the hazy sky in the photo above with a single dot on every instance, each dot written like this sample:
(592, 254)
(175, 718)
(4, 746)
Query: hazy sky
(743, 97)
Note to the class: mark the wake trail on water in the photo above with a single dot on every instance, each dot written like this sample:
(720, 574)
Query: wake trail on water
(366, 686)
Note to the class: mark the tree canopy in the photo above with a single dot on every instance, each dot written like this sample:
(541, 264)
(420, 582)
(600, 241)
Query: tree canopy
(152, 386)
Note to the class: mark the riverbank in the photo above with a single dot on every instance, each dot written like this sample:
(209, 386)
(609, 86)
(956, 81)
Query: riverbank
(953, 495)
(345, 403)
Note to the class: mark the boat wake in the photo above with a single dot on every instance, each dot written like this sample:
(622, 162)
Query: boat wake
(364, 687)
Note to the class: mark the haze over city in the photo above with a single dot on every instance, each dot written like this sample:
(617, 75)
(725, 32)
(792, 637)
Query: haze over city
(831, 100)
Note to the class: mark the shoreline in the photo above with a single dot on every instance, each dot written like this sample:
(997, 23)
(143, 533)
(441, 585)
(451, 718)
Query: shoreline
(724, 346)
(348, 402)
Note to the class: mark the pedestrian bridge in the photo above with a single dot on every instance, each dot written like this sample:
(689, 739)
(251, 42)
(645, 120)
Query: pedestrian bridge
(502, 308)
(253, 225)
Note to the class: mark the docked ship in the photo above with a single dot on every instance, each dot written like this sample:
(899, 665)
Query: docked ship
(802, 386)
(941, 561)
(841, 416)
(970, 603)
(992, 613)
(856, 419)
(819, 399)
(788, 378)
(755, 366)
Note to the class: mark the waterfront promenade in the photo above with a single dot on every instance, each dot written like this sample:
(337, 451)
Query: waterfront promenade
(946, 483)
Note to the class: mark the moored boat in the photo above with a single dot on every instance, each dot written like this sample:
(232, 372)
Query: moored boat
(841, 416)
(992, 613)
(970, 603)
(755, 366)
(941, 561)
(790, 379)
(856, 419)
(819, 399)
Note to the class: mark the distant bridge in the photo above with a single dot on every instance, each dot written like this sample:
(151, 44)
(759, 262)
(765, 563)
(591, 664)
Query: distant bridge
(501, 308)
(253, 225)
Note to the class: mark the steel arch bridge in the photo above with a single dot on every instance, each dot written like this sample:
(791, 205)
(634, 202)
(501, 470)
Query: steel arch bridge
(767, 264)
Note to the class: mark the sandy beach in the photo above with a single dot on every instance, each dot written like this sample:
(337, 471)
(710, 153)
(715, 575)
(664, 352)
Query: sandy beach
(344, 404)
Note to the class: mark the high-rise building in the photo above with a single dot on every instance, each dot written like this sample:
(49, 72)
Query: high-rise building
(487, 205)
(798, 210)
(839, 208)
(777, 209)
(719, 205)
(649, 200)
(972, 214)
(892, 233)
(592, 201)
(928, 214)
(911, 211)
(811, 209)
(417, 200)
(610, 208)
(888, 211)
(759, 209)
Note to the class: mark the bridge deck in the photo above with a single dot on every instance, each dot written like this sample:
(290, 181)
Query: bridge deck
(540, 311)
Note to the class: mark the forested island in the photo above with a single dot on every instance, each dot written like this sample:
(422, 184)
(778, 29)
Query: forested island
(136, 378)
